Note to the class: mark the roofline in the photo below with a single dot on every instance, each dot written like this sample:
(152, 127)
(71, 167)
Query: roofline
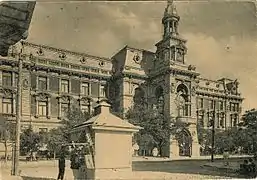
(65, 50)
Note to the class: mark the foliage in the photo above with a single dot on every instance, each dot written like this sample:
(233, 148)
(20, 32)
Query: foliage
(156, 128)
(29, 141)
(7, 132)
(61, 135)
(240, 139)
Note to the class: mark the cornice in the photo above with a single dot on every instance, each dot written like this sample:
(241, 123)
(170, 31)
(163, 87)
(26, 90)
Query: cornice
(33, 66)
(225, 96)
(66, 51)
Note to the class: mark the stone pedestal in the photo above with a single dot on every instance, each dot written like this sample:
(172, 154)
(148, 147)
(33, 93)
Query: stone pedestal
(112, 145)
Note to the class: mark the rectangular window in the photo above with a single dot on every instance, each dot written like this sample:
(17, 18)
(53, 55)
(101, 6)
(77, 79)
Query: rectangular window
(211, 104)
(222, 121)
(102, 90)
(7, 78)
(200, 103)
(85, 88)
(7, 105)
(42, 108)
(221, 105)
(95, 89)
(42, 83)
(85, 108)
(65, 85)
(64, 109)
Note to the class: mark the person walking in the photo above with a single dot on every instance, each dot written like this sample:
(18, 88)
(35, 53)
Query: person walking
(61, 163)
(75, 165)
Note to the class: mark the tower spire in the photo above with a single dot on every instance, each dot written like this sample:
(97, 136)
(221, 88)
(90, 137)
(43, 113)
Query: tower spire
(170, 19)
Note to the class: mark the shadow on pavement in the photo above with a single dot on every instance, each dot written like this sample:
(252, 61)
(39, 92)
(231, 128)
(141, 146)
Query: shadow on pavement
(183, 167)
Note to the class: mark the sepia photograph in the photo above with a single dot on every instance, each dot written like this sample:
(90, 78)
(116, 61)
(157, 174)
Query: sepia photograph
(128, 90)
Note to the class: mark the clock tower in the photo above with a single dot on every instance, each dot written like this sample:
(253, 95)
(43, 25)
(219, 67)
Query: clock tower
(176, 80)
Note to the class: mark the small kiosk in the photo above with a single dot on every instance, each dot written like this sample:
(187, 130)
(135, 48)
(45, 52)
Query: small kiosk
(108, 154)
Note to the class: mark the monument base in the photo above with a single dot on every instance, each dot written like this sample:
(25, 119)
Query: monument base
(111, 173)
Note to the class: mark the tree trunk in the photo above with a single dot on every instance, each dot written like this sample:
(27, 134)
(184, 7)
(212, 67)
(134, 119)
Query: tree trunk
(5, 151)
(54, 155)
(160, 150)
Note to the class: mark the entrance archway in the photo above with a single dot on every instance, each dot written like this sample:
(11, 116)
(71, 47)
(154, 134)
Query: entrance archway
(184, 139)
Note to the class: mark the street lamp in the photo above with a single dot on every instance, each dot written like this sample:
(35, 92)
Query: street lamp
(213, 133)
(18, 116)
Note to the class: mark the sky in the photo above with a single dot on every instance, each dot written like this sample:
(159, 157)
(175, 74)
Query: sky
(221, 36)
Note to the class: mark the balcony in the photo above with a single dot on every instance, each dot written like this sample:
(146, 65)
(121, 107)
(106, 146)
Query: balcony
(185, 119)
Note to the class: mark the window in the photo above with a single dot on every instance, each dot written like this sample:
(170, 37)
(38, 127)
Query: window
(102, 90)
(64, 109)
(42, 83)
(64, 85)
(7, 78)
(221, 105)
(43, 130)
(211, 104)
(235, 120)
(42, 108)
(85, 108)
(200, 103)
(7, 105)
(85, 89)
(222, 121)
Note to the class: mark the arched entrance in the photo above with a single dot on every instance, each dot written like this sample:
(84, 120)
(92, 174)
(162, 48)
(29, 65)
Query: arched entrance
(185, 143)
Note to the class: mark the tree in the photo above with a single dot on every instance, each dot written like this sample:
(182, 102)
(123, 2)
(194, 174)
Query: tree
(156, 127)
(7, 132)
(29, 141)
(61, 135)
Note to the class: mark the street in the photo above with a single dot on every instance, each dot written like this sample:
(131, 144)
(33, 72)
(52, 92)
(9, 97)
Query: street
(177, 169)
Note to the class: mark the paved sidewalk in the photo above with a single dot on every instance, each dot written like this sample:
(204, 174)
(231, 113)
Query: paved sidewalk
(231, 167)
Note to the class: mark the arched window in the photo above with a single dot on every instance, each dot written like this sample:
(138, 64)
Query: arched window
(183, 101)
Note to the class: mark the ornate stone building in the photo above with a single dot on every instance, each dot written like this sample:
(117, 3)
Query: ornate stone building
(53, 79)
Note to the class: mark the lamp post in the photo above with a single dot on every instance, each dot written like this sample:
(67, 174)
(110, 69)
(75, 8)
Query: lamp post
(213, 133)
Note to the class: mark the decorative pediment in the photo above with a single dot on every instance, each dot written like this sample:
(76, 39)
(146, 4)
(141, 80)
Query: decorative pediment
(8, 93)
(65, 98)
(85, 100)
(42, 96)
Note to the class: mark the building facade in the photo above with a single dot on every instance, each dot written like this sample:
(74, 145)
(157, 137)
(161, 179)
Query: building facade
(54, 79)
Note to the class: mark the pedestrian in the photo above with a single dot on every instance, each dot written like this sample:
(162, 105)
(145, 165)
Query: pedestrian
(61, 163)
(252, 168)
(75, 164)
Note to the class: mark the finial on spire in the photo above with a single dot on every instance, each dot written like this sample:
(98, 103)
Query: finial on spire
(171, 8)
